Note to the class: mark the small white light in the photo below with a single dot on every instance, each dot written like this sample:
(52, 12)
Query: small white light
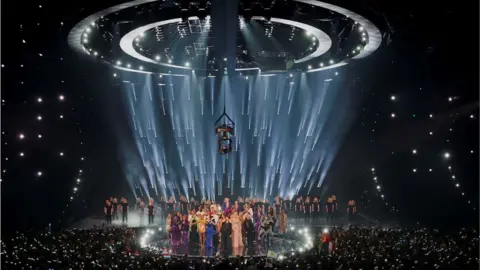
(39, 173)
(61, 97)
(331, 61)
(373, 169)
(414, 151)
(119, 63)
(61, 116)
(114, 74)
(431, 133)
(78, 180)
(309, 67)
(378, 187)
(74, 189)
(321, 64)
(169, 61)
(129, 66)
(450, 99)
(140, 67)
(39, 100)
(21, 136)
(447, 155)
(393, 98)
(414, 170)
(22, 154)
(61, 154)
(187, 64)
(393, 115)
(39, 136)
(225, 59)
(457, 185)
(336, 73)
(39, 118)
(157, 57)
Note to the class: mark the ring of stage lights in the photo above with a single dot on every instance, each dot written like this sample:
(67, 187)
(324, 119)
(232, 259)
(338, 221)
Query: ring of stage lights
(75, 36)
(127, 41)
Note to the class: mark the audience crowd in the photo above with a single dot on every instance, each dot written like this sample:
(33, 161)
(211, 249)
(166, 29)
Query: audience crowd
(353, 248)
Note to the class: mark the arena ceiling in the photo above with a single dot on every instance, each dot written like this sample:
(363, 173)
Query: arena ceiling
(175, 37)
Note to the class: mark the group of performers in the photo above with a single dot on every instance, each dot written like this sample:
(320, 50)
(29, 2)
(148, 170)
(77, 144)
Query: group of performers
(302, 208)
(226, 228)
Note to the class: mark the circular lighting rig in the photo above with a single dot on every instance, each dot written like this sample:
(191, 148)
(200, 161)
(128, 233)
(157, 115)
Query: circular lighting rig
(176, 38)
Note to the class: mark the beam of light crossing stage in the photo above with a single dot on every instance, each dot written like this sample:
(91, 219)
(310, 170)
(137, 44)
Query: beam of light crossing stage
(287, 133)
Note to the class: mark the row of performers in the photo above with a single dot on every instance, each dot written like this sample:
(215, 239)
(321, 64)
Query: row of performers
(300, 208)
(226, 231)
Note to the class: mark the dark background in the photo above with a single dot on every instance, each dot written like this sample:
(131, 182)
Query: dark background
(432, 55)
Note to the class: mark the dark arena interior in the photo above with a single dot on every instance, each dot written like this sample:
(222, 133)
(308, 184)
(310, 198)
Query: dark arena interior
(239, 134)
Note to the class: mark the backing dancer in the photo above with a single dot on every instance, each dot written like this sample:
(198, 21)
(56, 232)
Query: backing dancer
(307, 209)
(124, 204)
(287, 205)
(298, 207)
(108, 209)
(329, 209)
(316, 208)
(151, 212)
(183, 205)
(335, 205)
(115, 209)
(141, 210)
(277, 205)
(170, 205)
(351, 210)
(163, 207)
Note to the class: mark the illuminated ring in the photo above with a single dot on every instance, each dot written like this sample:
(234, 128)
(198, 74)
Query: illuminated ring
(324, 41)
(126, 43)
(374, 35)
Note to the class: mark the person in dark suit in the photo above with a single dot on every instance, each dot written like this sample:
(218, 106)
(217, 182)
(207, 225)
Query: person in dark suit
(250, 231)
(226, 236)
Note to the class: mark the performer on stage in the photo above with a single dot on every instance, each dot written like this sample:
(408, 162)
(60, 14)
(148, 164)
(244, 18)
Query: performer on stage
(193, 237)
(287, 205)
(236, 222)
(298, 207)
(240, 204)
(141, 211)
(163, 207)
(307, 209)
(184, 228)
(209, 232)
(175, 230)
(282, 222)
(202, 227)
(170, 205)
(226, 237)
(183, 205)
(316, 208)
(351, 211)
(266, 206)
(250, 232)
(226, 206)
(168, 227)
(193, 205)
(277, 206)
(115, 209)
(108, 209)
(124, 204)
(329, 209)
(335, 205)
(151, 212)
